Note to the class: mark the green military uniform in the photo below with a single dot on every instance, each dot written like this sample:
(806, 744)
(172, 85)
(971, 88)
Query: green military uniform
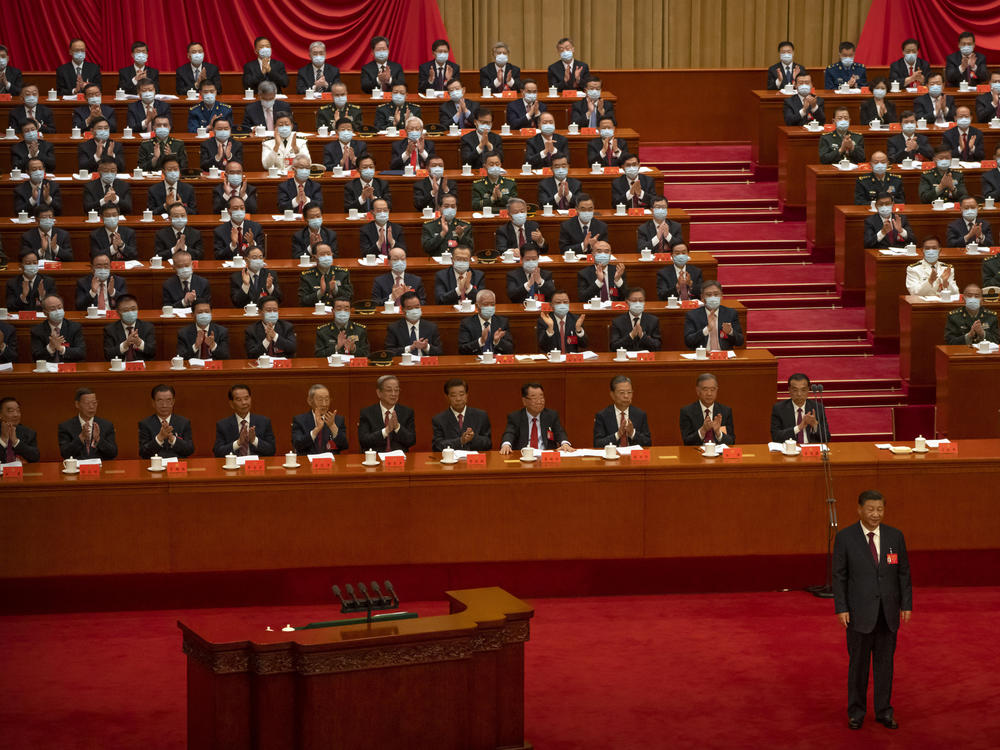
(930, 180)
(385, 113)
(482, 193)
(200, 117)
(329, 115)
(829, 148)
(957, 330)
(338, 286)
(435, 244)
(868, 186)
(326, 339)
(171, 145)
(991, 271)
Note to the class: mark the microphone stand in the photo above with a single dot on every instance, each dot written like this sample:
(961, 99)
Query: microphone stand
(825, 591)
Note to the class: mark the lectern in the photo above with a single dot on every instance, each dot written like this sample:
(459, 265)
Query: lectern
(453, 681)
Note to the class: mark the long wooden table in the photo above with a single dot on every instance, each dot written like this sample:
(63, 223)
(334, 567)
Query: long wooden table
(968, 400)
(146, 283)
(577, 391)
(826, 187)
(885, 281)
(278, 233)
(379, 146)
(596, 185)
(678, 505)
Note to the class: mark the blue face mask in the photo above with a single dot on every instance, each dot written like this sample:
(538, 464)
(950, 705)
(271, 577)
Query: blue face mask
(972, 304)
(636, 308)
(586, 216)
(486, 311)
(681, 259)
(414, 135)
(162, 132)
(398, 266)
(315, 223)
(963, 122)
(271, 316)
(172, 176)
(203, 318)
(560, 173)
(659, 213)
(607, 133)
(910, 58)
(448, 213)
(437, 171)
(340, 101)
(56, 316)
(30, 270)
(413, 314)
(302, 173)
(318, 60)
(934, 89)
(566, 55)
(31, 100)
(561, 309)
(238, 215)
(185, 273)
(102, 274)
(381, 217)
(602, 259)
(222, 135)
(461, 266)
(79, 57)
(324, 261)
(518, 219)
(804, 89)
(197, 57)
(111, 222)
(209, 99)
(456, 94)
(843, 124)
(264, 52)
(548, 128)
(31, 136)
(399, 99)
(530, 266)
(847, 61)
(879, 93)
(256, 264)
(943, 164)
(381, 55)
(345, 136)
(47, 223)
(284, 131)
(129, 317)
(102, 134)
(879, 167)
(713, 301)
(341, 317)
(367, 173)
(931, 256)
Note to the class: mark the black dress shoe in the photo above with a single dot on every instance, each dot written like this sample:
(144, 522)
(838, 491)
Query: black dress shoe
(888, 722)
(854, 723)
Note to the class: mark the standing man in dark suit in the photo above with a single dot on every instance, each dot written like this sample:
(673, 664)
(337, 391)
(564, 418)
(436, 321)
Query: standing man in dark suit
(436, 73)
(562, 329)
(270, 335)
(712, 326)
(783, 72)
(203, 339)
(485, 331)
(191, 74)
(534, 425)
(56, 339)
(632, 189)
(679, 279)
(381, 73)
(799, 418)
(460, 426)
(164, 433)
(319, 75)
(387, 425)
(263, 67)
(17, 442)
(568, 73)
(804, 107)
(500, 75)
(319, 430)
(706, 420)
(243, 433)
(529, 281)
(589, 111)
(872, 596)
(129, 338)
(458, 282)
(418, 337)
(966, 64)
(621, 423)
(11, 79)
(72, 77)
(910, 70)
(635, 330)
(87, 435)
(129, 77)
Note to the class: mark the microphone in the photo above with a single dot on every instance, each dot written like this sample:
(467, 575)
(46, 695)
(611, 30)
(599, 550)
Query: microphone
(382, 600)
(350, 593)
(364, 592)
(392, 592)
(336, 591)
(816, 387)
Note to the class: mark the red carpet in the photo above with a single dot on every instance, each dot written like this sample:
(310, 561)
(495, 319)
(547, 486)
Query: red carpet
(701, 152)
(882, 367)
(714, 232)
(763, 670)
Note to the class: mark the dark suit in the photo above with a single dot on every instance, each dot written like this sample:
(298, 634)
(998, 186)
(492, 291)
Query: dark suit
(399, 147)
(873, 595)
(506, 236)
(85, 299)
(784, 420)
(188, 335)
(571, 234)
(66, 76)
(548, 189)
(952, 140)
(448, 111)
(253, 75)
(303, 442)
(470, 142)
(208, 150)
(220, 202)
(185, 78)
(173, 292)
(666, 282)
(692, 418)
(22, 197)
(19, 156)
(985, 111)
(594, 154)
(301, 246)
(517, 115)
(777, 73)
(166, 238)
(488, 74)
(448, 435)
(26, 449)
(369, 75)
(43, 118)
(149, 428)
(15, 81)
(354, 188)
(587, 286)
(136, 114)
(253, 114)
(369, 238)
(445, 286)
(70, 445)
(873, 225)
(975, 76)
(86, 155)
(382, 287)
(958, 229)
(620, 187)
(9, 353)
(793, 107)
(533, 154)
(547, 343)
(284, 345)
(94, 192)
(579, 113)
(156, 198)
(517, 278)
(258, 287)
(557, 74)
(397, 337)
(869, 112)
(696, 320)
(32, 240)
(370, 427)
(896, 148)
(606, 427)
(923, 106)
(423, 198)
(288, 194)
(307, 77)
(333, 154)
(991, 184)
(621, 327)
(898, 71)
(427, 75)
(518, 430)
(72, 332)
(227, 432)
(40, 288)
(114, 337)
(471, 328)
(125, 76)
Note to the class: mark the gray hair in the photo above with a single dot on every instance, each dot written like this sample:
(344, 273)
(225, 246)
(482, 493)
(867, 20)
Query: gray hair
(619, 379)
(515, 200)
(316, 387)
(482, 293)
(267, 87)
(385, 379)
(498, 45)
(707, 376)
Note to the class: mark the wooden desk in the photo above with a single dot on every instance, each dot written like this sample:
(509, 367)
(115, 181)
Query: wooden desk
(849, 227)
(598, 186)
(454, 682)
(146, 283)
(826, 187)
(885, 280)
(968, 400)
(379, 146)
(621, 231)
(576, 390)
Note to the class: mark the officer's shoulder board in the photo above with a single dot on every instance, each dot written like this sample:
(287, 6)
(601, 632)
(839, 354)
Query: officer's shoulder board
(957, 311)
(358, 325)
(913, 265)
(340, 268)
(307, 272)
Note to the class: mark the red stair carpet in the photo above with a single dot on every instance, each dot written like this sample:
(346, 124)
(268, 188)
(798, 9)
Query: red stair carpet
(757, 670)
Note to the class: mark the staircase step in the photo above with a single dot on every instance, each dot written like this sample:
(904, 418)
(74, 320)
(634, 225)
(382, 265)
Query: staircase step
(698, 204)
(832, 348)
(733, 215)
(711, 245)
(737, 257)
(860, 423)
(700, 166)
(791, 301)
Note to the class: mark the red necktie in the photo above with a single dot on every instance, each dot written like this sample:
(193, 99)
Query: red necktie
(562, 202)
(635, 200)
(244, 439)
(461, 422)
(801, 434)
(534, 432)
(965, 144)
(205, 352)
(382, 241)
(871, 546)
(710, 435)
(270, 348)
(622, 437)
(388, 433)
(413, 158)
(502, 77)
(682, 285)
(520, 237)
(130, 352)
(562, 336)
(102, 297)
(911, 71)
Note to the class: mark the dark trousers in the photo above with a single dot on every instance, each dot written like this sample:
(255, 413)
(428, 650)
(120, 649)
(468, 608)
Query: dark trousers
(874, 649)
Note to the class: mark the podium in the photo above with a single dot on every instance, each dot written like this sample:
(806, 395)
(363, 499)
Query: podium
(453, 681)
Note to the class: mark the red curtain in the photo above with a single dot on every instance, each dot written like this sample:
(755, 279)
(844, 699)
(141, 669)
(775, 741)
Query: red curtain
(37, 32)
(936, 23)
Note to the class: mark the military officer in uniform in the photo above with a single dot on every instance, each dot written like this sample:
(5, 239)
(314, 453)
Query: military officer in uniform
(326, 282)
(446, 232)
(494, 189)
(971, 323)
(331, 113)
(991, 271)
(845, 70)
(208, 110)
(929, 277)
(343, 335)
(397, 111)
(841, 144)
(869, 186)
(941, 182)
(153, 151)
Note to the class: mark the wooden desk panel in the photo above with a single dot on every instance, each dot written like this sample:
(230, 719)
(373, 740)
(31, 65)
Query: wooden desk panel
(968, 400)
(885, 281)
(146, 283)
(577, 391)
(621, 231)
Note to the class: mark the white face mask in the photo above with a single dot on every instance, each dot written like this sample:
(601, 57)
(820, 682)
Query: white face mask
(909, 128)
(566, 55)
(209, 98)
(437, 171)
(318, 60)
(147, 96)
(804, 89)
(786, 58)
(339, 101)
(140, 58)
(441, 57)
(885, 211)
(963, 122)
(594, 93)
(381, 55)
(548, 128)
(501, 59)
(631, 172)
(197, 57)
(93, 101)
(284, 131)
(530, 97)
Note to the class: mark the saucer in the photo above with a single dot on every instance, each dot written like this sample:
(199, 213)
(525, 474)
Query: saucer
(921, 450)
(150, 468)
(793, 453)
(611, 458)
(528, 460)
(290, 466)
(373, 463)
(453, 461)
(620, 359)
(231, 468)
(67, 471)
(182, 367)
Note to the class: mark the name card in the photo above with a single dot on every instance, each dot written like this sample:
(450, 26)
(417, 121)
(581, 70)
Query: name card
(90, 470)
(324, 464)
(635, 212)
(282, 364)
(689, 304)
(136, 365)
(178, 467)
(255, 466)
(568, 94)
(394, 462)
(358, 362)
(194, 264)
(810, 451)
(214, 364)
(588, 131)
(476, 459)
(718, 355)
(645, 356)
(508, 94)
(506, 359)
(948, 447)
(13, 472)
(551, 457)
(428, 361)
(732, 454)
(641, 455)
(117, 265)
(53, 265)
(528, 132)
(67, 367)
(610, 170)
(574, 357)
